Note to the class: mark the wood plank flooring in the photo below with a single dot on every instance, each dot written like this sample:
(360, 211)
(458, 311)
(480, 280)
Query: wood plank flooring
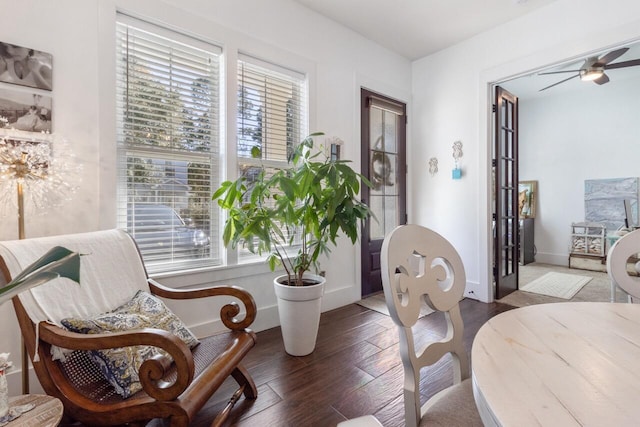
(355, 370)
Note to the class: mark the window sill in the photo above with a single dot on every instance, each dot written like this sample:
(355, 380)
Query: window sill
(207, 275)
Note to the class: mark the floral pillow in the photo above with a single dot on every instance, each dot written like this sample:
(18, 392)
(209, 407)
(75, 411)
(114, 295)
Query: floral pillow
(120, 366)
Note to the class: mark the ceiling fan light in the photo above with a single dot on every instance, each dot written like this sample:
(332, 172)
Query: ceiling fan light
(590, 75)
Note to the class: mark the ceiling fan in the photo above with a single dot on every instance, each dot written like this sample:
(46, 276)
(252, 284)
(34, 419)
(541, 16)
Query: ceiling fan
(594, 68)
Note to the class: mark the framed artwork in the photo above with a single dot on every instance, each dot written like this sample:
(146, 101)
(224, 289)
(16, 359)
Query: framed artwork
(25, 111)
(527, 195)
(26, 67)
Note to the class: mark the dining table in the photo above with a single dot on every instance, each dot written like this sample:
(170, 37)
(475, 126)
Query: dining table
(559, 364)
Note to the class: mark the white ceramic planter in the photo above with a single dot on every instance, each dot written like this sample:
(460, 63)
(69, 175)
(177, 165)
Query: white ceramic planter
(299, 311)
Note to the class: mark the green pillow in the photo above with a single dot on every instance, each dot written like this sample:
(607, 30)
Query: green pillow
(120, 366)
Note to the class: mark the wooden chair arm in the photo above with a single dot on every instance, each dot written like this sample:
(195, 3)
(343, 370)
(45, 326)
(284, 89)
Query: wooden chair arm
(152, 371)
(228, 312)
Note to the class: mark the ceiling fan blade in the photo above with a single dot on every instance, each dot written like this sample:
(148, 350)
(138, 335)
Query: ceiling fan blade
(614, 54)
(602, 79)
(557, 83)
(558, 72)
(623, 64)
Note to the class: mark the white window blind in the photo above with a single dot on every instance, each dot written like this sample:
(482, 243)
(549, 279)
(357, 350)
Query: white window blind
(168, 144)
(272, 117)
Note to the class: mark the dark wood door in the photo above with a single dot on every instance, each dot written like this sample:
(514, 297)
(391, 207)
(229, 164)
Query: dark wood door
(505, 163)
(383, 148)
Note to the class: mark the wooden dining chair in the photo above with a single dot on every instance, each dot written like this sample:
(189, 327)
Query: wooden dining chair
(97, 364)
(419, 264)
(618, 259)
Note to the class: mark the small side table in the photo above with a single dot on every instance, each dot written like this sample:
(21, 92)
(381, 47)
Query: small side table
(47, 412)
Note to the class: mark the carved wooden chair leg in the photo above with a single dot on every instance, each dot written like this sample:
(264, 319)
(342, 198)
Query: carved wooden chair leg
(222, 416)
(242, 377)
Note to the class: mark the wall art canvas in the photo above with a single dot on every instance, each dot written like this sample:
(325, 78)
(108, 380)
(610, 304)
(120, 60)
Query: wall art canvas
(527, 195)
(25, 111)
(24, 66)
(604, 200)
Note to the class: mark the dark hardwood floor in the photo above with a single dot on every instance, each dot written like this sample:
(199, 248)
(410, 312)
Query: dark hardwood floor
(355, 370)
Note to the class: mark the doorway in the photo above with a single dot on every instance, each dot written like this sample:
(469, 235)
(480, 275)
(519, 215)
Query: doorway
(383, 154)
(572, 131)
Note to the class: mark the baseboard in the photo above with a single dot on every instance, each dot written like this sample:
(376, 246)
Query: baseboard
(554, 259)
(14, 382)
(336, 298)
(267, 317)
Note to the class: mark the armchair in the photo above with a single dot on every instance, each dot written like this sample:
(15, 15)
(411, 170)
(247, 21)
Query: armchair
(111, 273)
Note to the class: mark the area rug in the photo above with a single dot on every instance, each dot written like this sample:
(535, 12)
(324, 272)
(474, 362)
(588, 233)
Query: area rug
(377, 303)
(559, 285)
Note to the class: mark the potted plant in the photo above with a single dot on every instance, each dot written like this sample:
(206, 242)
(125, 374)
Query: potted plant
(294, 215)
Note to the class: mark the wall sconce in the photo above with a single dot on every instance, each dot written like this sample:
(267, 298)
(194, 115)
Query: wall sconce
(457, 153)
(433, 166)
(335, 145)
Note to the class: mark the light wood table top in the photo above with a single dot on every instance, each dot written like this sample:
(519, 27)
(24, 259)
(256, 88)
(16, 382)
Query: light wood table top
(47, 412)
(561, 364)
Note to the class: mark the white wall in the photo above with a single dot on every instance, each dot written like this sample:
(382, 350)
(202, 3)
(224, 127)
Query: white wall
(80, 36)
(589, 133)
(451, 97)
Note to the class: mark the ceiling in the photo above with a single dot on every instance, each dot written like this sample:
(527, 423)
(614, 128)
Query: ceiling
(417, 28)
(529, 86)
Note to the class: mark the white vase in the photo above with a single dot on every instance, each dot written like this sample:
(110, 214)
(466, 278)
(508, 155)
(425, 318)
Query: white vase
(299, 311)
(4, 395)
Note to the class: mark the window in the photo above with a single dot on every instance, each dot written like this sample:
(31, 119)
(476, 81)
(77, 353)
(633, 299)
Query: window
(271, 118)
(169, 149)
(168, 144)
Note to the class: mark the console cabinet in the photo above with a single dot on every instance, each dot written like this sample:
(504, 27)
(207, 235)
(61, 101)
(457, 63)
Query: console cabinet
(527, 246)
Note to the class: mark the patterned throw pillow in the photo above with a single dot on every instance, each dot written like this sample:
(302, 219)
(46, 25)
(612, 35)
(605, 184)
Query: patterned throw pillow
(120, 366)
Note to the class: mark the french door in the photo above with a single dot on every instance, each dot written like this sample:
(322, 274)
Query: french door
(383, 148)
(505, 217)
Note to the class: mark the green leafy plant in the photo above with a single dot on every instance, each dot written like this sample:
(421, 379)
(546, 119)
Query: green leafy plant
(302, 208)
(57, 262)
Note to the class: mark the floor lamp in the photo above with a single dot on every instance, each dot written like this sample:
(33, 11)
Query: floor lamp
(25, 353)
(27, 163)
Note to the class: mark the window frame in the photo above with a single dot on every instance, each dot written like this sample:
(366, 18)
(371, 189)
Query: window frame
(180, 62)
(235, 45)
(260, 72)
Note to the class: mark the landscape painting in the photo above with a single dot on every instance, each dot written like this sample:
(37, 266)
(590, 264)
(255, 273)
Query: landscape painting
(604, 201)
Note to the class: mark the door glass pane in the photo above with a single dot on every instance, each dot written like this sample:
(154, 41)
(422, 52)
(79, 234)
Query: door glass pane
(391, 213)
(391, 183)
(376, 128)
(376, 230)
(383, 172)
(385, 210)
(390, 131)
